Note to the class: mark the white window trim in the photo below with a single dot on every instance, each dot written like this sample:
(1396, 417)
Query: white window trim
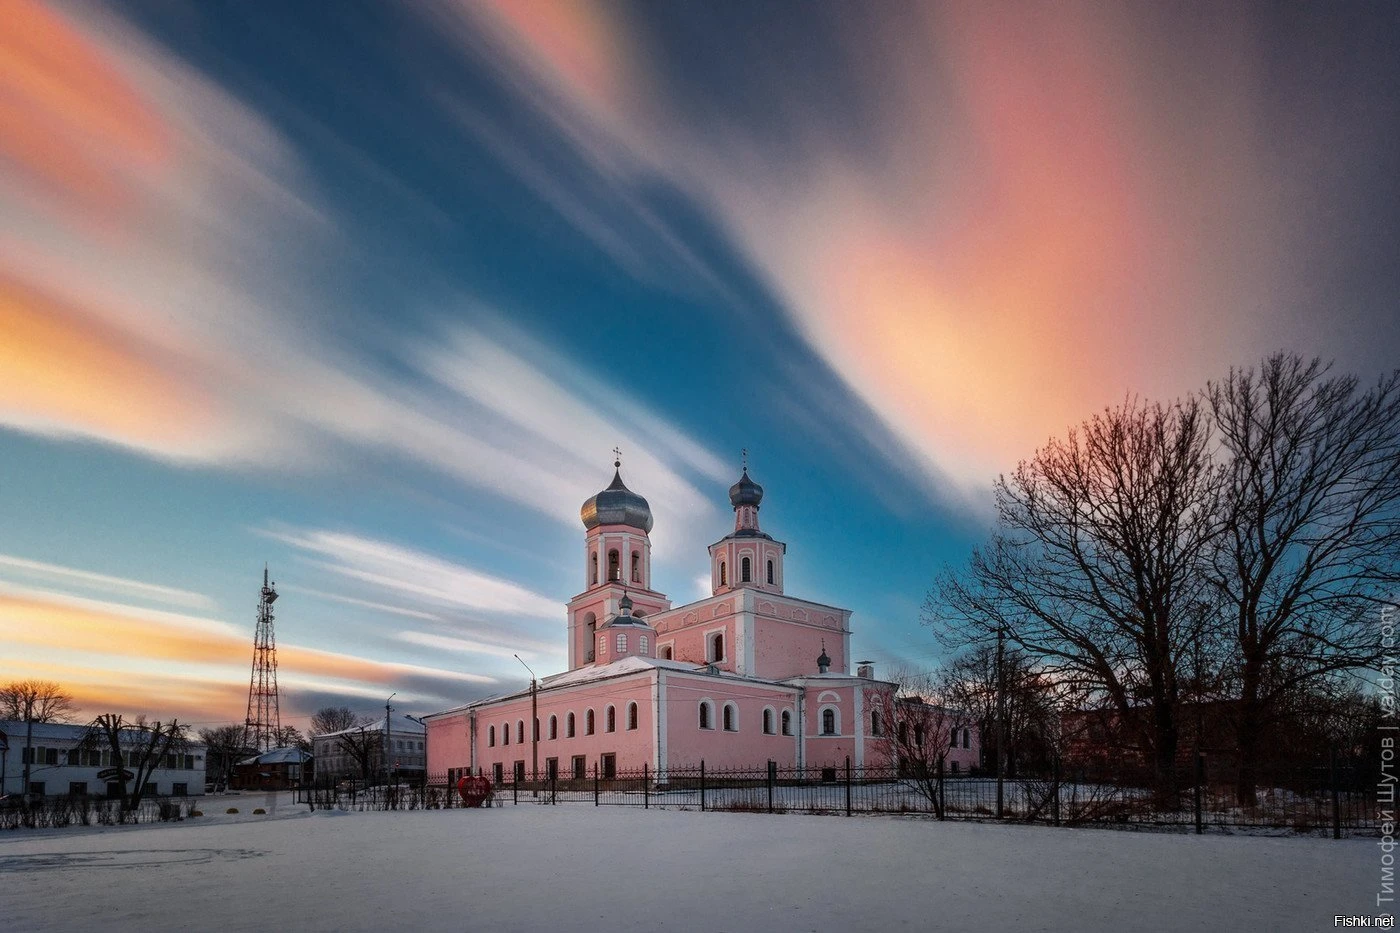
(730, 705)
(706, 701)
(663, 645)
(709, 634)
(821, 719)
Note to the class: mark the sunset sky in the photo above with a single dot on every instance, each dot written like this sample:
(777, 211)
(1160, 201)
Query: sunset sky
(369, 292)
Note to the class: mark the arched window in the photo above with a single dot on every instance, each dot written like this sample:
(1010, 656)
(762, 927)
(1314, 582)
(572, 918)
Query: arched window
(636, 567)
(731, 718)
(611, 720)
(614, 566)
(554, 727)
(918, 736)
(746, 570)
(631, 716)
(569, 726)
(519, 731)
(874, 722)
(588, 722)
(490, 736)
(707, 715)
(967, 739)
(621, 642)
(723, 576)
(770, 573)
(767, 722)
(667, 653)
(717, 646)
(903, 732)
(828, 721)
(505, 733)
(642, 644)
(593, 575)
(787, 722)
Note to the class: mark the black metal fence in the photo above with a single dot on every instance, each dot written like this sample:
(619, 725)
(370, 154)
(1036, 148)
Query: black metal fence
(82, 810)
(1306, 800)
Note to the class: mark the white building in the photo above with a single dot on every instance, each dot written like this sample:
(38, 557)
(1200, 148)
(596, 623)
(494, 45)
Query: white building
(336, 752)
(57, 766)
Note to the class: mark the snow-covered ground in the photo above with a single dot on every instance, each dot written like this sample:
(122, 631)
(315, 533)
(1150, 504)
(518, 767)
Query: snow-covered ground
(577, 867)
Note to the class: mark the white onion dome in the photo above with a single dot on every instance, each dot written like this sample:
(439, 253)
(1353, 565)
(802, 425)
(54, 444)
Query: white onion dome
(616, 505)
(745, 492)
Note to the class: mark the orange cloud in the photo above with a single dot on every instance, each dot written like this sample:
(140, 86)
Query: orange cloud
(65, 368)
(69, 118)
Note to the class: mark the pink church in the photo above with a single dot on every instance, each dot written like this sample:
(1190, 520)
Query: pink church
(744, 676)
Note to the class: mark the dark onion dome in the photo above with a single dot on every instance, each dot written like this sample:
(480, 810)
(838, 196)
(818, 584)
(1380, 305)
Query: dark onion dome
(616, 505)
(823, 662)
(624, 606)
(745, 492)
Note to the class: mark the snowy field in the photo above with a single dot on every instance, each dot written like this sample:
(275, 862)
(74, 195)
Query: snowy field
(576, 867)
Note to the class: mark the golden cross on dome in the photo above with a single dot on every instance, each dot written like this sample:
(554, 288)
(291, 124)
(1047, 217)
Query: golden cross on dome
(618, 454)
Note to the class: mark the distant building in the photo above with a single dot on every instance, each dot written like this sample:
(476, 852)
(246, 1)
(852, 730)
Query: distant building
(359, 753)
(58, 766)
(279, 769)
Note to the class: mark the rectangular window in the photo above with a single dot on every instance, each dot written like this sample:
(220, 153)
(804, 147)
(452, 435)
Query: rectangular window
(73, 757)
(149, 788)
(179, 790)
(189, 762)
(551, 768)
(50, 756)
(580, 767)
(498, 773)
(77, 788)
(609, 766)
(519, 771)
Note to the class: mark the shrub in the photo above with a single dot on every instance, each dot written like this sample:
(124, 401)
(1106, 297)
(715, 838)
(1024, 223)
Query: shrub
(231, 810)
(196, 813)
(259, 812)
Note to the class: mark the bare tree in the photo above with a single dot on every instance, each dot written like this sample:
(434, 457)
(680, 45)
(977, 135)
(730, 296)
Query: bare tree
(1310, 541)
(364, 747)
(1094, 565)
(31, 701)
(1031, 703)
(913, 733)
(290, 737)
(137, 749)
(329, 719)
(35, 701)
(224, 748)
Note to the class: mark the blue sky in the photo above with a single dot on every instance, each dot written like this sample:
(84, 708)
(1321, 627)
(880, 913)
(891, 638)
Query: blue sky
(372, 295)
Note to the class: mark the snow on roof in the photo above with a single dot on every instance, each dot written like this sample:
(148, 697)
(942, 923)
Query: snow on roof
(291, 755)
(64, 731)
(401, 724)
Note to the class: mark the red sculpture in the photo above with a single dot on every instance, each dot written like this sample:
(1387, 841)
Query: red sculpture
(475, 791)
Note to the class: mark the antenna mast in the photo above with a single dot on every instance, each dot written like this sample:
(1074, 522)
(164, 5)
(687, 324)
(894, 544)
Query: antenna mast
(264, 720)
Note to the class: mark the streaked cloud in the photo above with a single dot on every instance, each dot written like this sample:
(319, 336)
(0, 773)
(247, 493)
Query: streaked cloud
(104, 583)
(417, 574)
(989, 221)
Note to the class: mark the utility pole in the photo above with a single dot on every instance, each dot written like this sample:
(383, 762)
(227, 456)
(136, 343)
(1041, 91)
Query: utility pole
(1001, 718)
(534, 723)
(28, 746)
(388, 728)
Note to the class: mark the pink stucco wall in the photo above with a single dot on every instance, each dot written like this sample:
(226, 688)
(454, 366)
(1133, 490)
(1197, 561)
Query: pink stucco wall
(633, 747)
(449, 743)
(748, 747)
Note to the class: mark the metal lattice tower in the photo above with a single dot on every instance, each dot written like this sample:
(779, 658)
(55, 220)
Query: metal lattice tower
(264, 719)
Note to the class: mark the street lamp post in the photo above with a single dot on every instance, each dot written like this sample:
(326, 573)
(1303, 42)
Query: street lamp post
(534, 723)
(388, 730)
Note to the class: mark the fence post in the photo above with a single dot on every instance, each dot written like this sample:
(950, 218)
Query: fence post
(1200, 779)
(942, 796)
(702, 785)
(515, 790)
(646, 789)
(848, 785)
(1336, 798)
(1055, 789)
(554, 786)
(772, 774)
(595, 783)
